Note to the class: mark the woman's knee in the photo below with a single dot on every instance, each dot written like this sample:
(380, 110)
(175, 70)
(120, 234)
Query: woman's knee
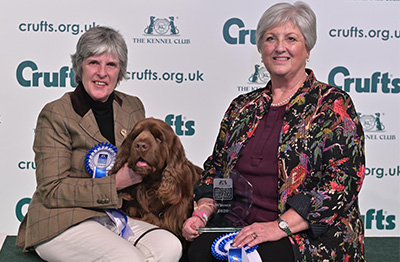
(162, 245)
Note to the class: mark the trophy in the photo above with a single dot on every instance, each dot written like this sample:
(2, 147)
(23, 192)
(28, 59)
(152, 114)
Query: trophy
(233, 196)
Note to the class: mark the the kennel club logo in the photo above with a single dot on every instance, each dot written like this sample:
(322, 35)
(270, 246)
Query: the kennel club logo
(162, 26)
(161, 31)
(257, 78)
(372, 122)
(260, 75)
(374, 127)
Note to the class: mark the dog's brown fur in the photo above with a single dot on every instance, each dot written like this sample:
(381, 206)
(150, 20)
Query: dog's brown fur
(165, 196)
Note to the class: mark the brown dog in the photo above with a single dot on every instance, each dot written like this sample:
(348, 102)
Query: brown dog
(165, 196)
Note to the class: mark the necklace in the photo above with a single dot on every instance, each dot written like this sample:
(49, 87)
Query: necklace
(287, 99)
(284, 101)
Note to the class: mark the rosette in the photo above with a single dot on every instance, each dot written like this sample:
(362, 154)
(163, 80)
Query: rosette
(221, 246)
(100, 159)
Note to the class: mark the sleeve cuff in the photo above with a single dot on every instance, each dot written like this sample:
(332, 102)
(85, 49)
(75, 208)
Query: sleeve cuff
(302, 204)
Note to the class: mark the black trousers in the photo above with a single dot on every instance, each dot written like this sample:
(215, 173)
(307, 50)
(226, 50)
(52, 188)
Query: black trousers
(200, 250)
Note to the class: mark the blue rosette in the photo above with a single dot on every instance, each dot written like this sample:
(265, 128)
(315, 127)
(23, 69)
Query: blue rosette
(100, 159)
(221, 246)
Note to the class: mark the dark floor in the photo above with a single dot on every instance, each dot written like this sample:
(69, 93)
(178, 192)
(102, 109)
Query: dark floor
(377, 249)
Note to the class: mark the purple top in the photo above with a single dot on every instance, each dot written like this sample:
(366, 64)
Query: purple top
(258, 163)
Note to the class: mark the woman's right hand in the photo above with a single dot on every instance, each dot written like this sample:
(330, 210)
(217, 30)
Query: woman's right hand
(203, 209)
(126, 177)
(189, 229)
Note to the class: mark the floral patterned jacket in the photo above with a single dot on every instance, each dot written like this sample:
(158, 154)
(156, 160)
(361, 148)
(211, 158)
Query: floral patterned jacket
(321, 165)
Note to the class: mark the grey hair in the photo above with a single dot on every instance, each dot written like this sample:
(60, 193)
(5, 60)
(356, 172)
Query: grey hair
(96, 41)
(299, 13)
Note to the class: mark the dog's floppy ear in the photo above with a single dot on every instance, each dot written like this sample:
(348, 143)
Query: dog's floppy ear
(123, 153)
(177, 158)
(177, 178)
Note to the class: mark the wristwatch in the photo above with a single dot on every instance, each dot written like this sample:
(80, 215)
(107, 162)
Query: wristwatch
(284, 226)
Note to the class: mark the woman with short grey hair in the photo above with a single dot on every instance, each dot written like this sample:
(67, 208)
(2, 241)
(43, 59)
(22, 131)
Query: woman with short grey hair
(299, 13)
(97, 41)
(73, 215)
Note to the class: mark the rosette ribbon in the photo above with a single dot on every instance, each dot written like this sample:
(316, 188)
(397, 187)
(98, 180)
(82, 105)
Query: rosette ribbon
(121, 222)
(222, 249)
(98, 161)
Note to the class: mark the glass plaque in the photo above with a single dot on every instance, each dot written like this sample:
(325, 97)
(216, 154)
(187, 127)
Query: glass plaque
(233, 196)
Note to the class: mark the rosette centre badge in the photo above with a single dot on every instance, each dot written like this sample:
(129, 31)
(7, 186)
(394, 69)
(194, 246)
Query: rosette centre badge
(222, 249)
(100, 159)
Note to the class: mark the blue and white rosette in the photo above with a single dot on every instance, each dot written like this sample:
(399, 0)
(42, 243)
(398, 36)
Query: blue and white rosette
(222, 248)
(100, 159)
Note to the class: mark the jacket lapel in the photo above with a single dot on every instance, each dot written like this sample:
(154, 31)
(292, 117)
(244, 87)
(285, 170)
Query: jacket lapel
(89, 125)
(245, 123)
(120, 116)
(88, 122)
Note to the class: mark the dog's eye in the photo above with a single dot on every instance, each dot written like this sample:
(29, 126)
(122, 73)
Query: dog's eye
(158, 136)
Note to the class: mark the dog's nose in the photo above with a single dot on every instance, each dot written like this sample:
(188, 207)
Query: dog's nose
(141, 146)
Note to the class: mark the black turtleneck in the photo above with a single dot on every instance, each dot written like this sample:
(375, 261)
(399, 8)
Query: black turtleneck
(103, 113)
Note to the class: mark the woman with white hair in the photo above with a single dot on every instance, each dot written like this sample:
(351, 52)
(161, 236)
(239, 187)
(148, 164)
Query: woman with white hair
(300, 144)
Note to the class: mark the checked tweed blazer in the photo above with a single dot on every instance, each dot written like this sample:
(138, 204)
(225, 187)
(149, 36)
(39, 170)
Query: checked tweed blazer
(66, 194)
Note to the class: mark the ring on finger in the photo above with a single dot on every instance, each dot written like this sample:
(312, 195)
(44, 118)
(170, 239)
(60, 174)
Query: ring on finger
(254, 235)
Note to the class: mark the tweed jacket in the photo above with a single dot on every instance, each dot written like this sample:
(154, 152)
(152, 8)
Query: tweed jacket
(66, 194)
(321, 165)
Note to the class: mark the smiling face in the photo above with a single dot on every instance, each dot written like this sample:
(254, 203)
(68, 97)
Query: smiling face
(100, 75)
(284, 51)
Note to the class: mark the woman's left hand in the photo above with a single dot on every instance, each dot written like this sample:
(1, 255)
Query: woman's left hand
(257, 233)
